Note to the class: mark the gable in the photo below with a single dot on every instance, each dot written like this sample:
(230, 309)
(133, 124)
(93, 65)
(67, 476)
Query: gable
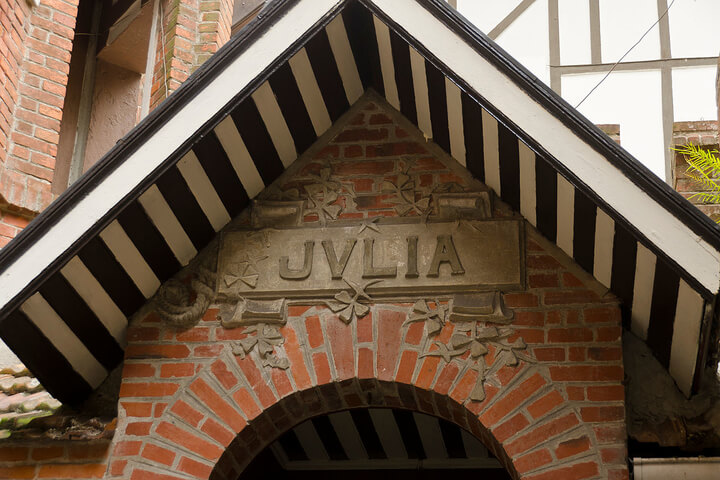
(73, 278)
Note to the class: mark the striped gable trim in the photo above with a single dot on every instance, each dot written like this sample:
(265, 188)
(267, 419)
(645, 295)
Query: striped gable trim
(162, 194)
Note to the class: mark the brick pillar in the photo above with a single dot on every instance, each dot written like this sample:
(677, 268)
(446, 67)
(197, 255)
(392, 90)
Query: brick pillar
(35, 55)
(192, 31)
(704, 134)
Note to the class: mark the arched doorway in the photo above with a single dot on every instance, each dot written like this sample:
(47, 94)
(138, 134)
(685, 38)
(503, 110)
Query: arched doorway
(387, 443)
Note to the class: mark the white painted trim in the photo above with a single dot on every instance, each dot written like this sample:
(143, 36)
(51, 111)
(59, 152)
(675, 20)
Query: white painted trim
(131, 172)
(420, 87)
(130, 259)
(162, 216)
(275, 123)
(528, 188)
(95, 296)
(310, 91)
(239, 156)
(59, 334)
(311, 442)
(388, 432)
(430, 435)
(348, 435)
(387, 66)
(686, 336)
(642, 291)
(662, 228)
(345, 60)
(604, 238)
(491, 151)
(455, 122)
(203, 191)
(565, 215)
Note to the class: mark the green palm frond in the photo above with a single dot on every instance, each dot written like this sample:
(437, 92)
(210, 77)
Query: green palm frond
(703, 168)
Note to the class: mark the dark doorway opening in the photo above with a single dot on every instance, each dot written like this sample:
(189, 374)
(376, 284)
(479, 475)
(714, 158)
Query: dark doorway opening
(376, 443)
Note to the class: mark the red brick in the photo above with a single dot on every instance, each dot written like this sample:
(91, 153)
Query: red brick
(138, 429)
(568, 297)
(549, 354)
(568, 448)
(389, 334)
(256, 381)
(605, 354)
(570, 335)
(131, 370)
(602, 315)
(158, 454)
(361, 134)
(147, 389)
(415, 333)
(510, 427)
(542, 262)
(545, 404)
(576, 354)
(197, 334)
(18, 472)
(246, 403)
(576, 393)
(281, 382)
(570, 280)
(379, 119)
(512, 399)
(529, 319)
(341, 345)
(602, 414)
(541, 433)
(47, 453)
(217, 404)
(609, 334)
(208, 351)
(221, 434)
(366, 363)
(295, 355)
(520, 300)
(585, 373)
(314, 331)
(464, 387)
(117, 468)
(532, 461)
(197, 469)
(192, 442)
(610, 433)
(187, 413)
(124, 448)
(365, 167)
(137, 409)
(13, 454)
(322, 368)
(578, 471)
(406, 368)
(93, 470)
(156, 351)
(613, 455)
(543, 280)
(446, 378)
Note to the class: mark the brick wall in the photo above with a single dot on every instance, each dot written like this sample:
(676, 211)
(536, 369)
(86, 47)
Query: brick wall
(36, 46)
(705, 134)
(193, 31)
(189, 404)
(72, 460)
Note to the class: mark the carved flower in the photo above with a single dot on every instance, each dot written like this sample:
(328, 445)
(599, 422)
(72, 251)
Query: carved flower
(348, 305)
(266, 338)
(434, 318)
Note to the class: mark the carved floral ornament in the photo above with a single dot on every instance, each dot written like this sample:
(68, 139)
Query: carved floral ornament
(448, 249)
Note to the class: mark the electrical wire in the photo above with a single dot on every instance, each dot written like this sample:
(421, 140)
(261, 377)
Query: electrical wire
(626, 54)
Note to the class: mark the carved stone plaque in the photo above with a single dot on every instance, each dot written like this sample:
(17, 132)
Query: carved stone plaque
(389, 259)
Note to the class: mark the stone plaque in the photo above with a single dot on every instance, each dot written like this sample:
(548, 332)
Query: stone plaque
(386, 259)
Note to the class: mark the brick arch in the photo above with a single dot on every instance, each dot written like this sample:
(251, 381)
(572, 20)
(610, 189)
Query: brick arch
(226, 408)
